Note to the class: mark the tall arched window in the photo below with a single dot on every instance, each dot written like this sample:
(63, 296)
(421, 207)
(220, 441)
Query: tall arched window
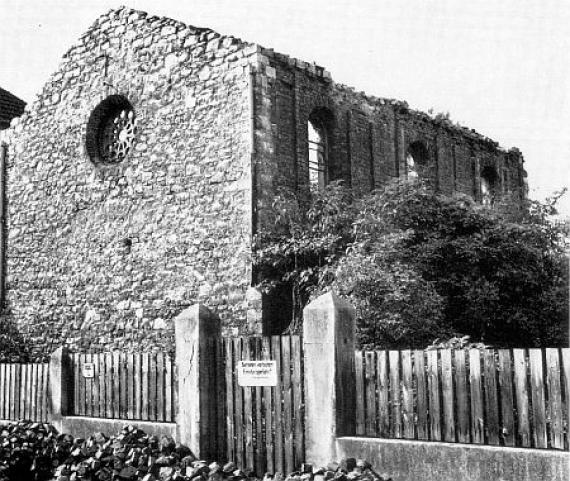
(318, 153)
(416, 159)
(488, 185)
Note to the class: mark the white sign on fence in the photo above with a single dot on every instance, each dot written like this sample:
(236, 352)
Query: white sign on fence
(257, 373)
(88, 370)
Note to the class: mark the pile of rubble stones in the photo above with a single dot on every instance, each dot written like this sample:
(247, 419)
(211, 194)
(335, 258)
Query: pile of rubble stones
(37, 452)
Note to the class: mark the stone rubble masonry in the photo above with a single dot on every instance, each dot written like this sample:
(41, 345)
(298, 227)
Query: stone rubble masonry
(368, 139)
(104, 257)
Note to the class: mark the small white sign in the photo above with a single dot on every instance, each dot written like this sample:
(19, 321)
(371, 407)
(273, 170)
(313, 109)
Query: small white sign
(88, 370)
(257, 373)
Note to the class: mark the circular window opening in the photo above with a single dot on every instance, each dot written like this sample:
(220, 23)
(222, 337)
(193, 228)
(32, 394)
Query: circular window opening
(111, 130)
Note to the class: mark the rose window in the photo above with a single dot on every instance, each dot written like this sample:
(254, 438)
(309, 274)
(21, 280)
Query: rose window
(117, 136)
(111, 131)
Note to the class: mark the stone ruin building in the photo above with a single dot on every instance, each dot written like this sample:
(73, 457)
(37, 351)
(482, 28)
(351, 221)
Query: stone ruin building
(137, 178)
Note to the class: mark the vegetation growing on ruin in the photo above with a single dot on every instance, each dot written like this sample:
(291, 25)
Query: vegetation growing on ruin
(421, 267)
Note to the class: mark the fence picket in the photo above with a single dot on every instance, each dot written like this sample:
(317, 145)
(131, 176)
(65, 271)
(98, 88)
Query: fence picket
(23, 381)
(109, 376)
(298, 412)
(447, 396)
(521, 397)
(537, 398)
(89, 385)
(370, 412)
(268, 406)
(554, 398)
(491, 399)
(278, 456)
(566, 388)
(169, 386)
(360, 389)
(248, 410)
(421, 395)
(286, 369)
(260, 454)
(461, 396)
(116, 385)
(506, 391)
(33, 394)
(45, 380)
(230, 420)
(123, 387)
(130, 367)
(160, 386)
(407, 395)
(17, 397)
(477, 419)
(221, 400)
(239, 420)
(395, 404)
(433, 396)
(27, 390)
(383, 394)
(96, 385)
(76, 383)
(146, 409)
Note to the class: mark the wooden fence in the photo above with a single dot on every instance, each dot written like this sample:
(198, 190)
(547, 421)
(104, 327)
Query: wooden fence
(24, 391)
(497, 397)
(265, 425)
(138, 386)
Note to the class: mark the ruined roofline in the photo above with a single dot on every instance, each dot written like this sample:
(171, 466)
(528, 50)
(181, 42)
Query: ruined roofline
(311, 68)
(403, 107)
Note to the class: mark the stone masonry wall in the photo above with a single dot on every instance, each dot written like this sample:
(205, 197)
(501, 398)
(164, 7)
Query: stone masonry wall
(103, 256)
(368, 137)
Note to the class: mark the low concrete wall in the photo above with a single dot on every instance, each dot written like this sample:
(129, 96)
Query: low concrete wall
(410, 460)
(82, 427)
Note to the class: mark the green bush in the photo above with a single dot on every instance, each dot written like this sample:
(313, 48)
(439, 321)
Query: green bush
(421, 266)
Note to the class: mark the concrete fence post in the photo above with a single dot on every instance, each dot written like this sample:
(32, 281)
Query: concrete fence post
(328, 346)
(60, 388)
(195, 328)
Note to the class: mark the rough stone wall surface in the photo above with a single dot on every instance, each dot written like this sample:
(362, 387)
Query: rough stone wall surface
(104, 256)
(368, 137)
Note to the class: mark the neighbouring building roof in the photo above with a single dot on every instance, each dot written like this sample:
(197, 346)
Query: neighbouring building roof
(10, 107)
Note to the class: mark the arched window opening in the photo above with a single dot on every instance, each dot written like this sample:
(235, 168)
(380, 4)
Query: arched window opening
(318, 154)
(488, 186)
(416, 159)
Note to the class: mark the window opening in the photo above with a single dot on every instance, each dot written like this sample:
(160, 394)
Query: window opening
(416, 159)
(488, 184)
(411, 166)
(111, 130)
(317, 155)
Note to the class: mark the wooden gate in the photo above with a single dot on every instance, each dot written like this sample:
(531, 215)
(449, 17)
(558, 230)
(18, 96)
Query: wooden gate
(264, 428)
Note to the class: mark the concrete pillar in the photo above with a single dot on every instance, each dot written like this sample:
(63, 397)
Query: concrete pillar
(328, 345)
(60, 387)
(254, 313)
(195, 330)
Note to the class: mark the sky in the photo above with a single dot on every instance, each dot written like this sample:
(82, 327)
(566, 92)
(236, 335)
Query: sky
(499, 66)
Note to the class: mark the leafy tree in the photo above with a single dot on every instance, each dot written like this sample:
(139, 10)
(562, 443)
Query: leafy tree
(420, 266)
